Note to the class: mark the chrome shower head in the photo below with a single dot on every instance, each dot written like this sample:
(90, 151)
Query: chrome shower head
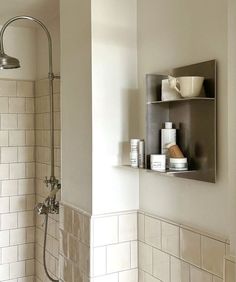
(7, 62)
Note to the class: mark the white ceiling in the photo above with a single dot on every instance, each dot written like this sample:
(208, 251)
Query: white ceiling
(44, 10)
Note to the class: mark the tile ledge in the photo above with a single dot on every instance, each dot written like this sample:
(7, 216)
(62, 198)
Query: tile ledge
(62, 203)
(189, 228)
(115, 213)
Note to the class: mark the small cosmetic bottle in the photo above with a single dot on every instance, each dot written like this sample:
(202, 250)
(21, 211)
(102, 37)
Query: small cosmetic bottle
(141, 154)
(134, 152)
(168, 135)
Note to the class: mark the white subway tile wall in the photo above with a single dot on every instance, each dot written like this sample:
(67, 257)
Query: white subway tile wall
(17, 181)
(109, 254)
(114, 247)
(43, 159)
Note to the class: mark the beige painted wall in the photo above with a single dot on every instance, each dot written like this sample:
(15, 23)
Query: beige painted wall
(76, 98)
(114, 88)
(20, 42)
(232, 120)
(184, 40)
(171, 34)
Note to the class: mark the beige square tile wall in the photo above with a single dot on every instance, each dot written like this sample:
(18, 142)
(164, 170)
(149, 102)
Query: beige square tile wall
(173, 253)
(17, 180)
(75, 259)
(229, 269)
(139, 247)
(42, 113)
(98, 248)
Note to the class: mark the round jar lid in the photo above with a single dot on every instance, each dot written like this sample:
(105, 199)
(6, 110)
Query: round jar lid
(168, 125)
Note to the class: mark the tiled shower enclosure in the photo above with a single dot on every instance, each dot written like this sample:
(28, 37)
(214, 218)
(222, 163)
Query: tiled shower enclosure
(25, 160)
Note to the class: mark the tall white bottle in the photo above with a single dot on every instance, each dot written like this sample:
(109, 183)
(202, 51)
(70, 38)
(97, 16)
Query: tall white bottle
(168, 135)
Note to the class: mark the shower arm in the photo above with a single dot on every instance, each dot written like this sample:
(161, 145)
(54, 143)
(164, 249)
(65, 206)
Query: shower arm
(51, 77)
(36, 21)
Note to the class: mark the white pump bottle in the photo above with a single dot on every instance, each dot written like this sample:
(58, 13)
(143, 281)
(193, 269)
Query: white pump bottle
(168, 135)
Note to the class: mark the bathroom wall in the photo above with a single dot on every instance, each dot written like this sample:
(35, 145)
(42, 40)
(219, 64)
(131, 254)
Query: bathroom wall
(17, 191)
(17, 185)
(178, 253)
(185, 203)
(171, 34)
(114, 103)
(114, 247)
(75, 237)
(232, 118)
(229, 269)
(114, 82)
(138, 246)
(98, 248)
(76, 103)
(20, 42)
(108, 103)
(17, 134)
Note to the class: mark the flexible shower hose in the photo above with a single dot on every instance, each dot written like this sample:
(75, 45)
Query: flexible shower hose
(44, 250)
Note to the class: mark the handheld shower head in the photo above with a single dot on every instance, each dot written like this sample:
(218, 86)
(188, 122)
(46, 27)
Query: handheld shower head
(7, 62)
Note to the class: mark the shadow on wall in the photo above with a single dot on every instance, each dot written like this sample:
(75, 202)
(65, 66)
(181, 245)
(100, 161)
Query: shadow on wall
(130, 105)
(114, 35)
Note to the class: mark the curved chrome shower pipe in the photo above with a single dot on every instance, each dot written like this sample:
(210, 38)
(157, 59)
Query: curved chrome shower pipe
(50, 205)
(34, 20)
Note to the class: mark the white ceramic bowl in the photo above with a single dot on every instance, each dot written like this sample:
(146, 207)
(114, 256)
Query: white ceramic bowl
(190, 86)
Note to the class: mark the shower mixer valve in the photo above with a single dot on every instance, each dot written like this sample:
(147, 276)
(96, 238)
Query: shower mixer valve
(50, 204)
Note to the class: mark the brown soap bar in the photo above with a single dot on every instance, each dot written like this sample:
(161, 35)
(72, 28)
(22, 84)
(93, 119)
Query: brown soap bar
(174, 151)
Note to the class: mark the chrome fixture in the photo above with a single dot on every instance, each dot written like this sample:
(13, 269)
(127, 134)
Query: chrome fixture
(8, 62)
(50, 205)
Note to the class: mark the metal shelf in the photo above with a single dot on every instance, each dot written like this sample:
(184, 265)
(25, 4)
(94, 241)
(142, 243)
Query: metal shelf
(168, 172)
(194, 118)
(164, 173)
(182, 100)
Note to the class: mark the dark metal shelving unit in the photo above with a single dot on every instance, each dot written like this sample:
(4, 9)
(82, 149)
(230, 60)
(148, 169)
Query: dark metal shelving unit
(194, 118)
